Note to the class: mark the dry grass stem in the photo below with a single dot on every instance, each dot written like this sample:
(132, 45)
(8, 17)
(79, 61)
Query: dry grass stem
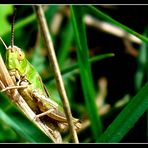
(56, 71)
(109, 28)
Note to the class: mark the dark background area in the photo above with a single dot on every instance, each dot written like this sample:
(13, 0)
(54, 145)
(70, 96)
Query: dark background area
(119, 70)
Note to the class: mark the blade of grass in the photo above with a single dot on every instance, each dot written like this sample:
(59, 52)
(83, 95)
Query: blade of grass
(11, 115)
(147, 126)
(142, 64)
(127, 118)
(29, 19)
(20, 24)
(146, 66)
(76, 66)
(85, 71)
(91, 60)
(7, 130)
(142, 68)
(66, 41)
(5, 11)
(98, 13)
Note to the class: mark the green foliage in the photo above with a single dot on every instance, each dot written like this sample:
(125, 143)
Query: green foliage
(5, 11)
(73, 54)
(85, 71)
(127, 118)
(142, 64)
(14, 120)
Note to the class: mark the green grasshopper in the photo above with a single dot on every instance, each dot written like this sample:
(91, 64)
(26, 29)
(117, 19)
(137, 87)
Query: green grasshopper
(30, 85)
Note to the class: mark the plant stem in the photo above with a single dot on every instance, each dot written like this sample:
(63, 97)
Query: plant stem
(56, 70)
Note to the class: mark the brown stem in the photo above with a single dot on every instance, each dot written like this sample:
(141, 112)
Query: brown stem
(55, 67)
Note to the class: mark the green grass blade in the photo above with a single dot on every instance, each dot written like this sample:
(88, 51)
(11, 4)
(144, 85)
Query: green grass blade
(21, 24)
(7, 130)
(142, 64)
(14, 118)
(98, 13)
(91, 60)
(127, 118)
(66, 41)
(76, 66)
(85, 71)
(147, 125)
(5, 11)
(29, 19)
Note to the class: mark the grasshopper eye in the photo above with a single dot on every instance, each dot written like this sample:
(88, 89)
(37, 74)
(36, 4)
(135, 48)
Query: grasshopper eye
(21, 56)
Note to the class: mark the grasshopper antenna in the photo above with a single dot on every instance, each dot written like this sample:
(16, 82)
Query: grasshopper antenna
(12, 28)
(3, 43)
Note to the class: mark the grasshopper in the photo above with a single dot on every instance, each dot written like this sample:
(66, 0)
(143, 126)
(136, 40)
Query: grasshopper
(30, 86)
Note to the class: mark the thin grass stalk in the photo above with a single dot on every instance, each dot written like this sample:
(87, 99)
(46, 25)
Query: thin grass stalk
(56, 70)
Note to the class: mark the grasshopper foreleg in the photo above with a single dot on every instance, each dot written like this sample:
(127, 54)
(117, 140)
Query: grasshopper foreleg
(13, 87)
(19, 84)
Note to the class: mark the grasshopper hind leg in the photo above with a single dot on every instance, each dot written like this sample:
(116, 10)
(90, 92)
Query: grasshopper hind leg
(44, 113)
(46, 105)
(41, 98)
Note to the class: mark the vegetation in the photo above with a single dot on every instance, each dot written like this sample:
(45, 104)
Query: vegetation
(103, 62)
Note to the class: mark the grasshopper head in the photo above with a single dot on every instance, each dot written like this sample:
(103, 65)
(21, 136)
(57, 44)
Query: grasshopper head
(15, 58)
